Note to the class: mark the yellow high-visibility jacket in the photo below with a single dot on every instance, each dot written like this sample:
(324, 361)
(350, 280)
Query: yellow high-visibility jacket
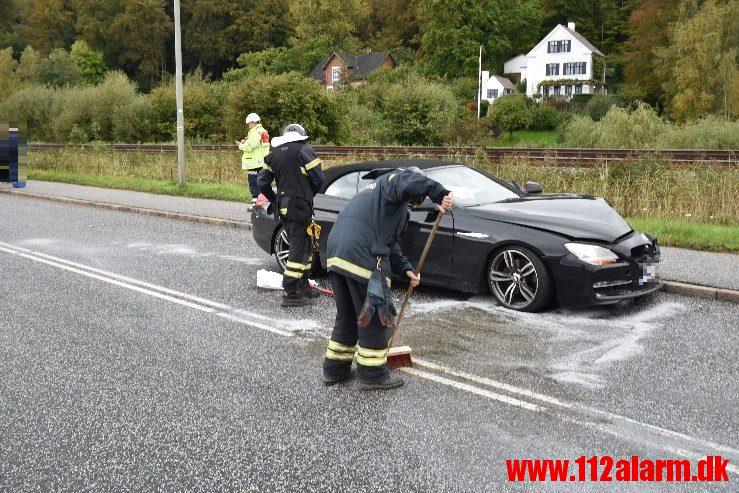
(255, 148)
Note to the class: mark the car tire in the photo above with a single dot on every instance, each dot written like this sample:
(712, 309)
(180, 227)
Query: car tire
(281, 247)
(519, 280)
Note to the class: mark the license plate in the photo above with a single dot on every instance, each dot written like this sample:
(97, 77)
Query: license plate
(648, 273)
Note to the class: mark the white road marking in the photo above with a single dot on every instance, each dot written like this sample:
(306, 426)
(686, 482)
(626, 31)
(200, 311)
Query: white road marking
(577, 407)
(475, 390)
(149, 289)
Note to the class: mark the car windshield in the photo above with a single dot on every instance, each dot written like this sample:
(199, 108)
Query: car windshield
(470, 187)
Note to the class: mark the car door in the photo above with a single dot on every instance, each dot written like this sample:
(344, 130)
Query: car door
(327, 205)
(438, 263)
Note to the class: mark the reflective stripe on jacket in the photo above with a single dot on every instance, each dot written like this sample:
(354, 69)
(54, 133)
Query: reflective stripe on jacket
(255, 148)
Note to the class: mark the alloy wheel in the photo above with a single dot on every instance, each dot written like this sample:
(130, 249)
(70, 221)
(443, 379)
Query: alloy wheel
(281, 248)
(514, 279)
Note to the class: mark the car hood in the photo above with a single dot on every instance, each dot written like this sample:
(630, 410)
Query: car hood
(573, 216)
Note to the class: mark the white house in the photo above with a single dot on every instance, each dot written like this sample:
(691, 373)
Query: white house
(495, 86)
(560, 65)
(515, 68)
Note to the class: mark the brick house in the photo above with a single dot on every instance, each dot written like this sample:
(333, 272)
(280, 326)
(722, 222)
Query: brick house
(342, 67)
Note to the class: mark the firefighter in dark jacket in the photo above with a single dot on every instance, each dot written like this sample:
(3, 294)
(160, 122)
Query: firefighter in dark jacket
(296, 169)
(363, 244)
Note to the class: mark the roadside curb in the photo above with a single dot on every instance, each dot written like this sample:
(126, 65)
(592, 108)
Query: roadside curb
(677, 287)
(140, 210)
(698, 291)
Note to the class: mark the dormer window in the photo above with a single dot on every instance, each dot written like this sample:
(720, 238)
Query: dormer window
(335, 74)
(563, 46)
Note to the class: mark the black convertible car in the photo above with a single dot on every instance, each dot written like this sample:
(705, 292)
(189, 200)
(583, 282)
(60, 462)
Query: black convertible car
(525, 247)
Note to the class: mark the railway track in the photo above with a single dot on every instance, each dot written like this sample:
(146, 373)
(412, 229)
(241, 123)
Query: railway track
(552, 156)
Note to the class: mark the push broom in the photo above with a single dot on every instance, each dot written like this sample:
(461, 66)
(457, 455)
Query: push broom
(398, 357)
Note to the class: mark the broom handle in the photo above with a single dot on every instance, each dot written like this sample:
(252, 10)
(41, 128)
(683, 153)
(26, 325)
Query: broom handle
(416, 271)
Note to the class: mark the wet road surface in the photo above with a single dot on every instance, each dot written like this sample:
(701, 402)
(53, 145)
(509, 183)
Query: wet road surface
(136, 353)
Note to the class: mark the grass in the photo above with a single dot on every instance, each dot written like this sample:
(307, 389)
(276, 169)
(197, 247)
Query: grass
(527, 138)
(685, 233)
(218, 191)
(692, 206)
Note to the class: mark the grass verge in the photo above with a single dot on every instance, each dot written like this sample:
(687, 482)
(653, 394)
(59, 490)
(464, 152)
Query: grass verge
(682, 233)
(527, 138)
(225, 191)
(689, 234)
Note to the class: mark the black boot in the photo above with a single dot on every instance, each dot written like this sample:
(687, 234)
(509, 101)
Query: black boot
(392, 381)
(294, 299)
(311, 292)
(332, 380)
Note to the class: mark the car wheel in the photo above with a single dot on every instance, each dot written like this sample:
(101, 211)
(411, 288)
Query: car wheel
(519, 280)
(281, 247)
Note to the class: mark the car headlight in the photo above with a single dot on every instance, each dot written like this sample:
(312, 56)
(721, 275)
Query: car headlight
(592, 254)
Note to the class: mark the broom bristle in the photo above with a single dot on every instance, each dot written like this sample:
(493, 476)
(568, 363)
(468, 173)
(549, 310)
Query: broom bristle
(398, 357)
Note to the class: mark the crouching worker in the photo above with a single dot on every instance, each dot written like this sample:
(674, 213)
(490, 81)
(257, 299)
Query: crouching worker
(296, 169)
(362, 253)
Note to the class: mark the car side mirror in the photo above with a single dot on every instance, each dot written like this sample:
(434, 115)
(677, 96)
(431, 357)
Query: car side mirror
(531, 187)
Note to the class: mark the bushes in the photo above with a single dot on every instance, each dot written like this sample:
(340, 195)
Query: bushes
(599, 105)
(38, 106)
(582, 98)
(283, 99)
(545, 117)
(58, 69)
(203, 108)
(511, 112)
(642, 127)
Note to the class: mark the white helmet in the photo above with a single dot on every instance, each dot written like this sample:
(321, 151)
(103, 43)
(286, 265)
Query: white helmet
(252, 118)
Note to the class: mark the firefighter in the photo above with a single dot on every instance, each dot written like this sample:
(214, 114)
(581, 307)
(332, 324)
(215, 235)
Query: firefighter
(255, 147)
(297, 171)
(363, 247)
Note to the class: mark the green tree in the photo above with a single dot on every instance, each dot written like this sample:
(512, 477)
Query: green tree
(48, 24)
(700, 63)
(325, 26)
(392, 24)
(271, 61)
(58, 69)
(455, 29)
(90, 63)
(28, 64)
(648, 29)
(7, 67)
(511, 112)
(218, 31)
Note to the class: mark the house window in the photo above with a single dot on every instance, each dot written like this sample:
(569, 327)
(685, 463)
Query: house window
(545, 92)
(580, 68)
(552, 68)
(492, 93)
(552, 47)
(335, 73)
(578, 89)
(568, 90)
(559, 46)
(567, 68)
(566, 45)
(556, 90)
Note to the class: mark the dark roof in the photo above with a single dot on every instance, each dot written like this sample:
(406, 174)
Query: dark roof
(362, 65)
(584, 41)
(505, 82)
(335, 171)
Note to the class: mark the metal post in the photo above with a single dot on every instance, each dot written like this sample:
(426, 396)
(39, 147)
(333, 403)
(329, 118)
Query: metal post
(479, 82)
(179, 96)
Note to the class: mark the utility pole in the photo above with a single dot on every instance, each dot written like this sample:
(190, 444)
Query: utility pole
(179, 96)
(479, 82)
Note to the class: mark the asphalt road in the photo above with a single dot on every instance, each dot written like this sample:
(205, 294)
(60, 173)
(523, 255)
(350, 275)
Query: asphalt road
(137, 354)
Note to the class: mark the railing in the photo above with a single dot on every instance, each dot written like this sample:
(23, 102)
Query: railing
(550, 155)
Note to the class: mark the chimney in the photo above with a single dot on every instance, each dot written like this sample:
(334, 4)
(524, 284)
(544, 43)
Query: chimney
(571, 26)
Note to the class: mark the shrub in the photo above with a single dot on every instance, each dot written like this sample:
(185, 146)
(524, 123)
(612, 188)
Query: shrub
(511, 112)
(103, 112)
(484, 107)
(414, 110)
(280, 100)
(8, 81)
(620, 128)
(28, 64)
(545, 117)
(470, 131)
(36, 105)
(711, 132)
(203, 109)
(582, 98)
(58, 69)
(599, 105)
